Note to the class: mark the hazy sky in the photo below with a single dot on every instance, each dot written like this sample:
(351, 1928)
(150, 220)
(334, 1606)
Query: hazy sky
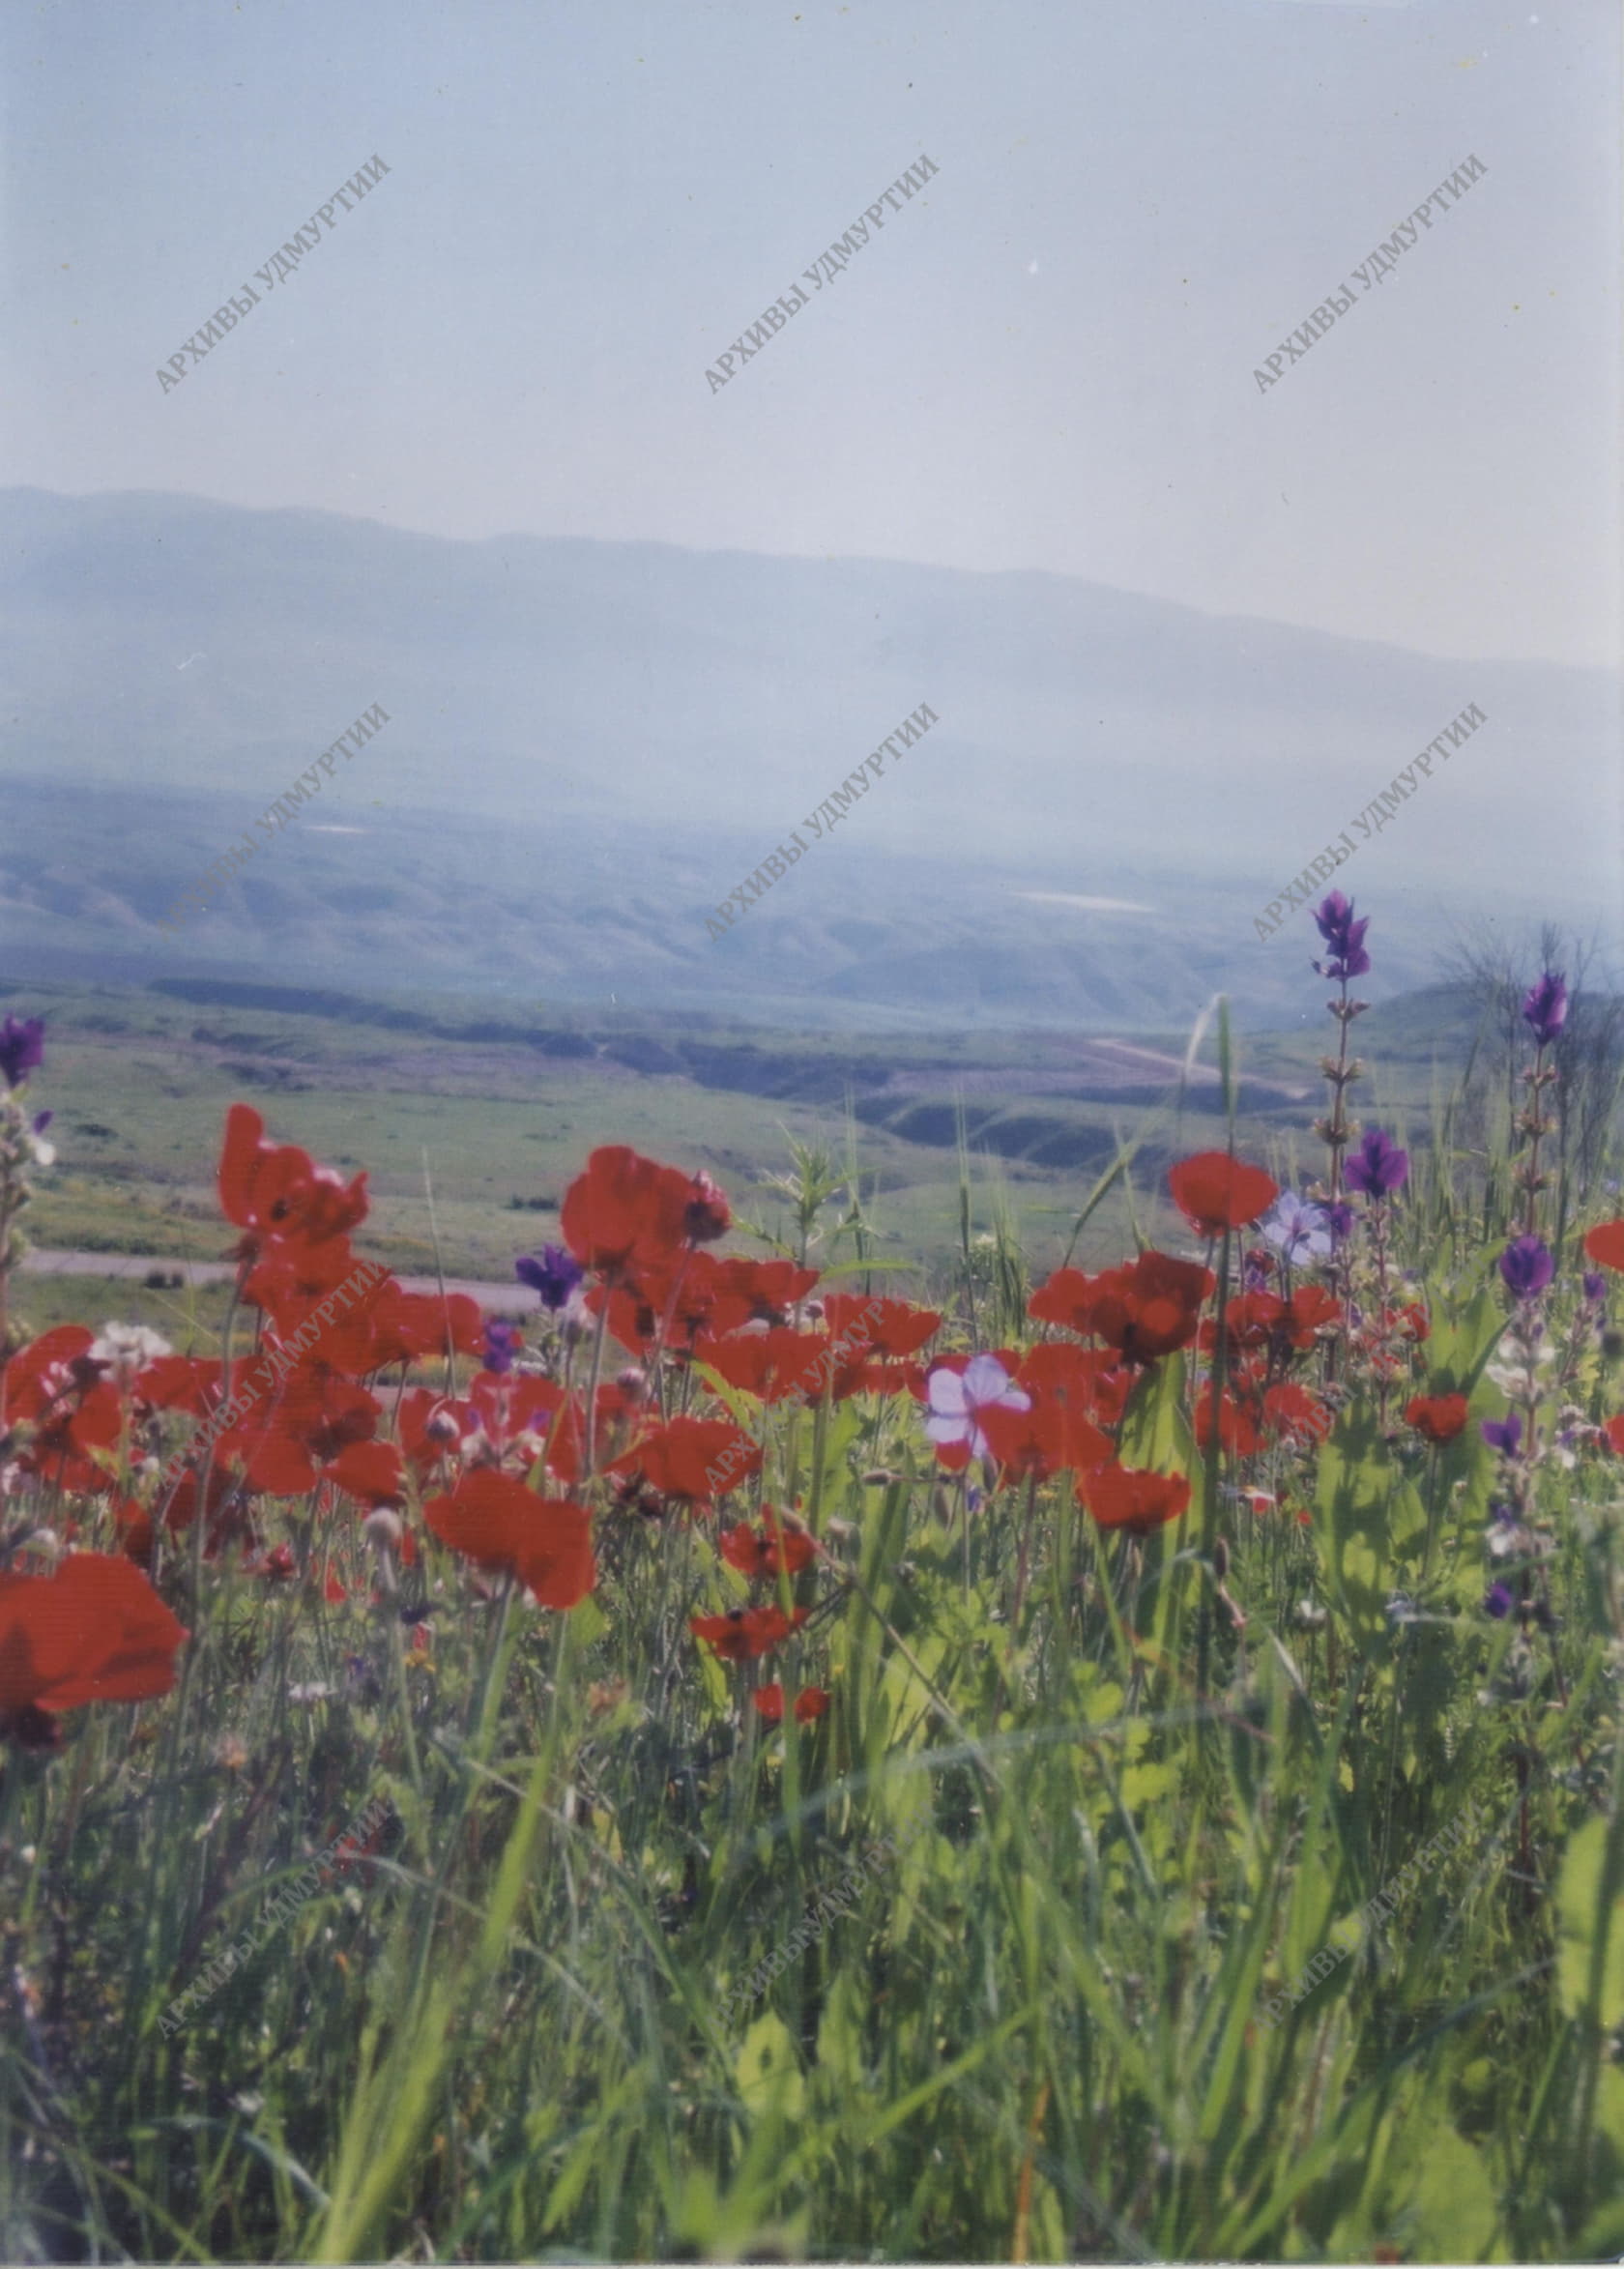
(1043, 360)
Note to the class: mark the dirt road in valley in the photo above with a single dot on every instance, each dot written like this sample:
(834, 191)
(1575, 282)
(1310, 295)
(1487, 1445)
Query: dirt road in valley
(507, 1299)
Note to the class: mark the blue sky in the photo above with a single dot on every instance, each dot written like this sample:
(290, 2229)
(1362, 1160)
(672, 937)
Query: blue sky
(1043, 360)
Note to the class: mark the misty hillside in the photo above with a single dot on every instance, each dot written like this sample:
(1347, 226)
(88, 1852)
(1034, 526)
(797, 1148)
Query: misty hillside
(590, 744)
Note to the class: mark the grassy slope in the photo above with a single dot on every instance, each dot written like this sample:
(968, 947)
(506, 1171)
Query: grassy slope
(140, 1082)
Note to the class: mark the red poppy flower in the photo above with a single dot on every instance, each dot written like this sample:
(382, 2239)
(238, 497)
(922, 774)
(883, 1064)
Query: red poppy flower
(672, 1301)
(1088, 1380)
(276, 1190)
(779, 1364)
(179, 1382)
(1126, 1497)
(625, 1214)
(1308, 1312)
(1436, 1417)
(408, 1326)
(889, 1327)
(290, 1279)
(745, 1632)
(1144, 1310)
(297, 1425)
(756, 1291)
(1150, 1308)
(1615, 1427)
(1249, 1320)
(1604, 1245)
(810, 1702)
(429, 1429)
(1215, 1192)
(95, 1631)
(1038, 1443)
(181, 1501)
(372, 1472)
(694, 1459)
(1066, 1298)
(496, 1521)
(56, 1388)
(1291, 1412)
(769, 1547)
(1237, 1425)
(55, 1367)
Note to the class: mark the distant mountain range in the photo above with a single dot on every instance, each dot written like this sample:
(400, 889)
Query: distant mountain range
(591, 745)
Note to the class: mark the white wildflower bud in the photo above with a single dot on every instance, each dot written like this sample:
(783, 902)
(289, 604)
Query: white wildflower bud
(382, 1529)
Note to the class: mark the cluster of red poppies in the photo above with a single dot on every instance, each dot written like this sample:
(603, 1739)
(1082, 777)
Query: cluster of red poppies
(500, 1466)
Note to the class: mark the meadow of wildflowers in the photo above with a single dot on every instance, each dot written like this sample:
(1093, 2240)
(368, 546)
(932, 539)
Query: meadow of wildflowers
(1162, 1627)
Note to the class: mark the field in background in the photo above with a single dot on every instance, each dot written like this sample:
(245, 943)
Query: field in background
(500, 1111)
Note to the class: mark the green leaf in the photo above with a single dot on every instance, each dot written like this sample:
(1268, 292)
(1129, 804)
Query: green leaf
(1578, 1893)
(1455, 2200)
(1155, 1432)
(768, 2069)
(1356, 1491)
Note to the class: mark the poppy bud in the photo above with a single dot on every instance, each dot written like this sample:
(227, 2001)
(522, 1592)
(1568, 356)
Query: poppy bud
(632, 1382)
(30, 1727)
(1220, 1558)
(381, 1527)
(709, 1215)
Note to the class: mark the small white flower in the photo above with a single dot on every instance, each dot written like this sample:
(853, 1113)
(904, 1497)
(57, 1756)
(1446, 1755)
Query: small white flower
(125, 1348)
(955, 1398)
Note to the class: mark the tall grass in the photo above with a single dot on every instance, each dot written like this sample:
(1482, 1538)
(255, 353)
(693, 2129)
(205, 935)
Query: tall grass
(1123, 1820)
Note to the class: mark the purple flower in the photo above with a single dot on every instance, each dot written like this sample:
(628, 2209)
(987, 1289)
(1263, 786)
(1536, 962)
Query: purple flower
(1345, 937)
(1526, 1268)
(1299, 1228)
(1341, 1219)
(501, 1343)
(1378, 1167)
(1595, 1287)
(1504, 1434)
(553, 1272)
(22, 1048)
(1497, 1601)
(1544, 1011)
